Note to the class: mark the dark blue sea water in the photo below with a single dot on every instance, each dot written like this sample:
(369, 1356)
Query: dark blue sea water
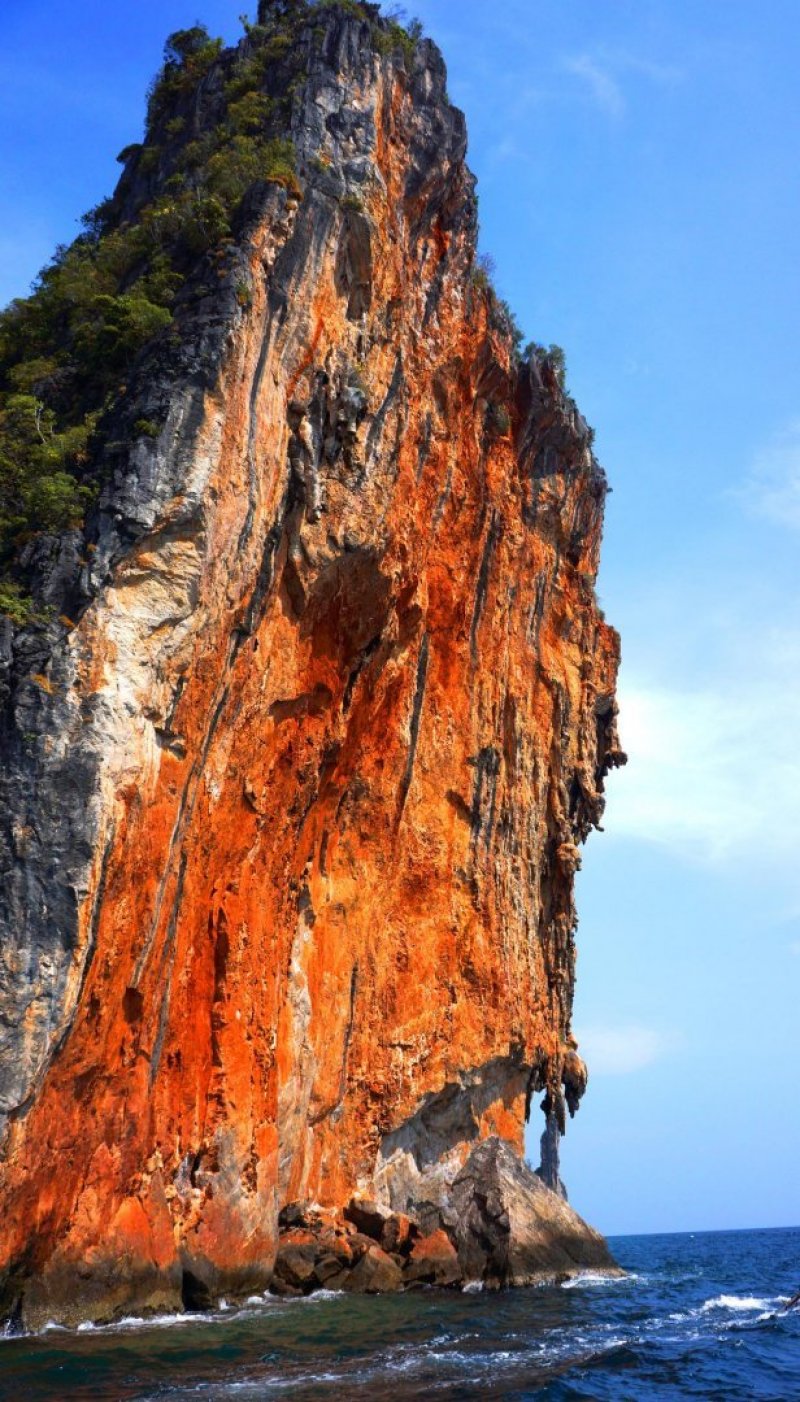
(698, 1316)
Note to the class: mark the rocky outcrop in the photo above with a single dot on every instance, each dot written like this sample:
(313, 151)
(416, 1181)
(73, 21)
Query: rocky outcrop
(295, 775)
(493, 1224)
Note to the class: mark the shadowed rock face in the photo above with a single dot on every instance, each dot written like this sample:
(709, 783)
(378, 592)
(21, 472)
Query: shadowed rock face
(289, 837)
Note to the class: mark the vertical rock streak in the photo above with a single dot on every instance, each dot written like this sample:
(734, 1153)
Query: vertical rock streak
(334, 593)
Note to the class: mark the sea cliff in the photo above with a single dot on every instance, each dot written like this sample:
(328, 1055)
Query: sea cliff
(304, 728)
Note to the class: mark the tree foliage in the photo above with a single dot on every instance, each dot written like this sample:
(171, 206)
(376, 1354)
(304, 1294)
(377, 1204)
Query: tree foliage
(552, 357)
(67, 349)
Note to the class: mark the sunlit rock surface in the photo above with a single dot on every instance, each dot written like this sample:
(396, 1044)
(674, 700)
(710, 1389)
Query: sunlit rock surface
(289, 837)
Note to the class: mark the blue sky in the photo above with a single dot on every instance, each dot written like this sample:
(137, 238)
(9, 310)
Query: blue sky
(637, 165)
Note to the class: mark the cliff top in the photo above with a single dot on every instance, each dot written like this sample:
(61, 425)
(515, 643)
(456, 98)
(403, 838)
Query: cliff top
(221, 123)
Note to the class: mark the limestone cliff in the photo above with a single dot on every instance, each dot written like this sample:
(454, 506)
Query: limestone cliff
(296, 768)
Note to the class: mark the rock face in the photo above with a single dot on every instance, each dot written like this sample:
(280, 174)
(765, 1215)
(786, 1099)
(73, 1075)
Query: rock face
(290, 810)
(510, 1228)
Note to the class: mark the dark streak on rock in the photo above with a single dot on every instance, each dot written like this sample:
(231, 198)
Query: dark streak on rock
(459, 804)
(487, 768)
(266, 573)
(416, 713)
(348, 1035)
(492, 537)
(434, 296)
(376, 427)
(537, 609)
(168, 956)
(424, 445)
(363, 660)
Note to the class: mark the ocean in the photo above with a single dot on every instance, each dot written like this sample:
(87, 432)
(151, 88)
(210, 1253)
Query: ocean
(699, 1315)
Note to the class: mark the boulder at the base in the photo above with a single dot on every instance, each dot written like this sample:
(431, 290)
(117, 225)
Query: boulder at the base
(433, 1261)
(513, 1230)
(492, 1221)
(375, 1273)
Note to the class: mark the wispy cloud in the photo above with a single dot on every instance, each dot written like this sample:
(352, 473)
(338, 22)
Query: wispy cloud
(665, 74)
(507, 149)
(602, 74)
(621, 1050)
(709, 705)
(713, 774)
(772, 489)
(599, 81)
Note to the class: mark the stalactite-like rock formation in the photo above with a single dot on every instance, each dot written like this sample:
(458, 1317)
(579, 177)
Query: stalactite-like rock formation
(292, 793)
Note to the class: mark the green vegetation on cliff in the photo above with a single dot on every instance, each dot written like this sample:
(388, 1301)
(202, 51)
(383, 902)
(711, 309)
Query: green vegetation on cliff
(67, 349)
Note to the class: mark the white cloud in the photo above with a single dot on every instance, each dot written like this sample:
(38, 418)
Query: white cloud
(709, 708)
(600, 73)
(506, 150)
(713, 773)
(665, 74)
(773, 488)
(602, 86)
(621, 1050)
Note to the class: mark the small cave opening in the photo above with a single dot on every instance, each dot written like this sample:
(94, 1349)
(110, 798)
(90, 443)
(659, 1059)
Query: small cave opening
(132, 1005)
(195, 1294)
(13, 1325)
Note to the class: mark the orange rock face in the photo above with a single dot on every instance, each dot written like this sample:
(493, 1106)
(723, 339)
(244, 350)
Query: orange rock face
(350, 702)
